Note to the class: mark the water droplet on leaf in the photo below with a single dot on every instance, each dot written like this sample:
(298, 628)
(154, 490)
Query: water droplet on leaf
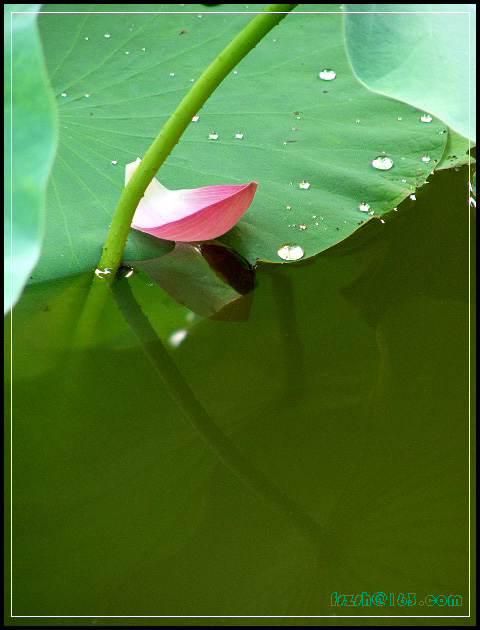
(327, 74)
(291, 252)
(382, 162)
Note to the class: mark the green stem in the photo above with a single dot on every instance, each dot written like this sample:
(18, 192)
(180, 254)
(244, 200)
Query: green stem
(170, 134)
(158, 152)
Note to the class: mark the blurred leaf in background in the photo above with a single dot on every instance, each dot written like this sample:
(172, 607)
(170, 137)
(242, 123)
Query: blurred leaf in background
(422, 54)
(30, 114)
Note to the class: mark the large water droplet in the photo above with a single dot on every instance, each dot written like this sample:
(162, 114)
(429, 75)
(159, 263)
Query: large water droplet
(382, 162)
(426, 118)
(364, 207)
(107, 35)
(176, 338)
(327, 74)
(291, 252)
(239, 135)
(304, 184)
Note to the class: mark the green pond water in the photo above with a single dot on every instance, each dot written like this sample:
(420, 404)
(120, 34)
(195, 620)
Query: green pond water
(347, 390)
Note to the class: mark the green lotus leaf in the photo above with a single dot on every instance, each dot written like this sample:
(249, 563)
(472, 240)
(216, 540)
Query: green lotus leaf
(423, 54)
(308, 142)
(31, 115)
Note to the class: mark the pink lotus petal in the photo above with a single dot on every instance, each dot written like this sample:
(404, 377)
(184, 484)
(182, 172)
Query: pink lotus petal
(196, 214)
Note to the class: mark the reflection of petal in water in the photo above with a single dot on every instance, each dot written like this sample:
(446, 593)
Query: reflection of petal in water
(205, 278)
